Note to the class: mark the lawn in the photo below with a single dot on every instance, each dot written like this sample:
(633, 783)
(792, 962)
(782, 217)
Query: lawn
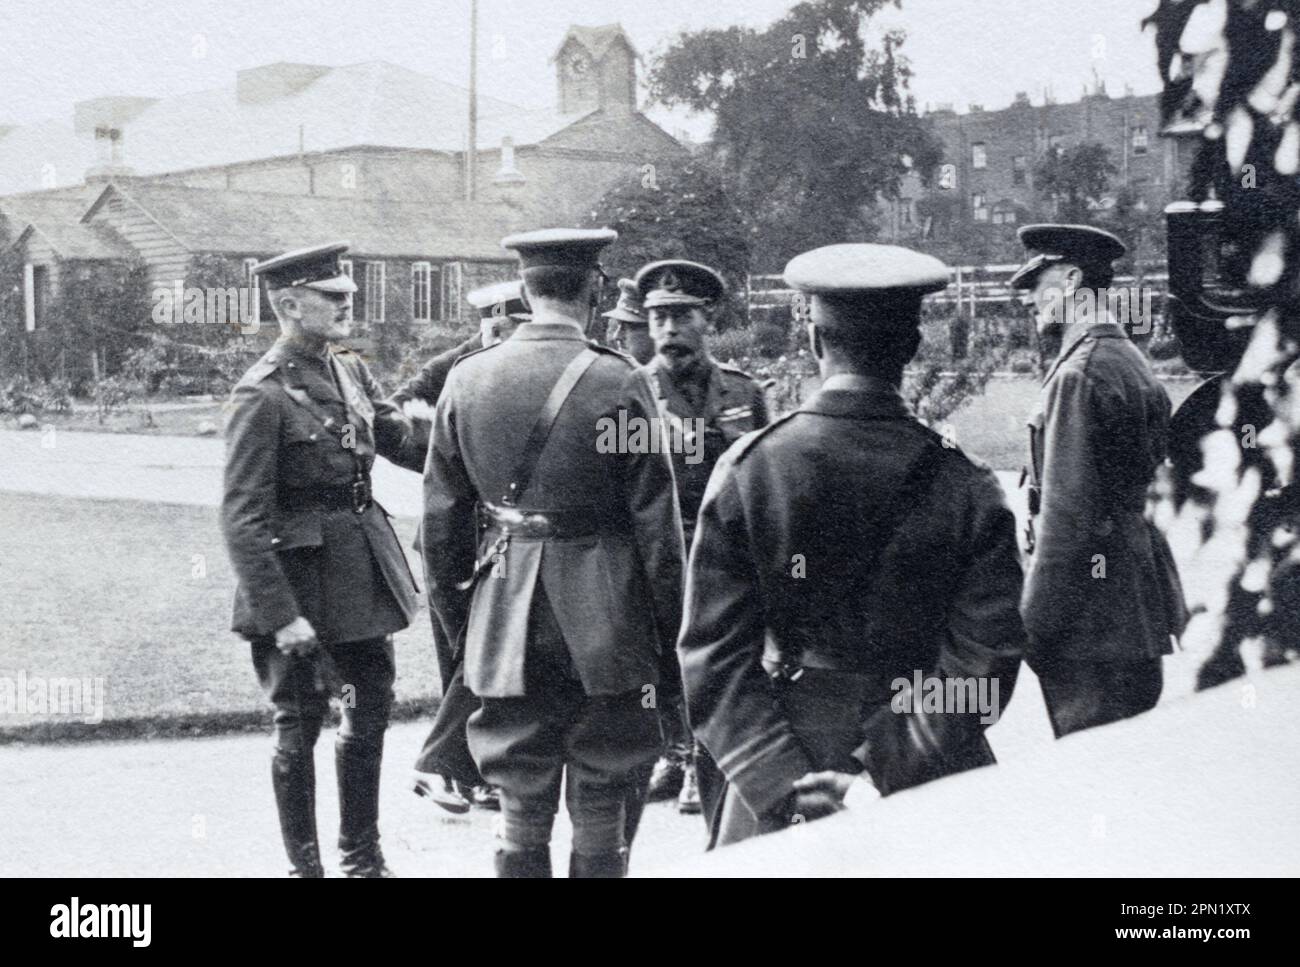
(139, 594)
(991, 427)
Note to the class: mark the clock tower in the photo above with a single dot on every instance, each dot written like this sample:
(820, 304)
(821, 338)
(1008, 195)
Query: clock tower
(596, 70)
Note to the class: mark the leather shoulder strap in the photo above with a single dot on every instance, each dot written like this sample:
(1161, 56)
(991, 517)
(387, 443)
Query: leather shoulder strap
(532, 451)
(916, 486)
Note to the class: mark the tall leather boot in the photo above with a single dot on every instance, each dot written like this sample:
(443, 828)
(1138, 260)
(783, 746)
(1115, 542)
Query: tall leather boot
(293, 776)
(358, 765)
(610, 865)
(527, 864)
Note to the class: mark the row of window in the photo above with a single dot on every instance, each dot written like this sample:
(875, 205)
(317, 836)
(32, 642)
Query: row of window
(428, 282)
(1140, 142)
(981, 212)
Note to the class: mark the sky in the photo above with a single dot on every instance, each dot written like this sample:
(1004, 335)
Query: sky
(56, 52)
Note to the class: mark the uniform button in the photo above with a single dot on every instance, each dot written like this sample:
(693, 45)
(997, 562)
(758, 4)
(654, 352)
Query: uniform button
(312, 437)
(274, 541)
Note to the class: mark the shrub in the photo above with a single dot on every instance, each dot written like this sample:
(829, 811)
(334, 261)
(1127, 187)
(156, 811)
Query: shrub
(19, 396)
(770, 340)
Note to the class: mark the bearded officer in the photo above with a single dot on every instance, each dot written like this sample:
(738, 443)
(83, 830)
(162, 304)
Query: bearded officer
(628, 329)
(1102, 597)
(323, 582)
(840, 551)
(571, 599)
(445, 773)
(709, 406)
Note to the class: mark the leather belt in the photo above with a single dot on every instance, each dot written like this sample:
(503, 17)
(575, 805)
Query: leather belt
(355, 497)
(544, 525)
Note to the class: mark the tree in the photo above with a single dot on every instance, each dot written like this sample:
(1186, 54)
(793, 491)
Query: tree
(1141, 228)
(677, 211)
(1234, 98)
(811, 124)
(1074, 178)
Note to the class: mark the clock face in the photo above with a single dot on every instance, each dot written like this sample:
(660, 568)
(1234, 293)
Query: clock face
(577, 65)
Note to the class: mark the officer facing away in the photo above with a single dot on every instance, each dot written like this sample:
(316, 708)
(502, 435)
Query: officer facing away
(841, 553)
(571, 597)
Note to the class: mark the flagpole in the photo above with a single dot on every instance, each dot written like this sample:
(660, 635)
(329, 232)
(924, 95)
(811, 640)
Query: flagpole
(471, 149)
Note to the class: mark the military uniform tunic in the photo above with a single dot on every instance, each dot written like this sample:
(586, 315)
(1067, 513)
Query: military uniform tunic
(731, 403)
(799, 618)
(566, 631)
(297, 545)
(1101, 591)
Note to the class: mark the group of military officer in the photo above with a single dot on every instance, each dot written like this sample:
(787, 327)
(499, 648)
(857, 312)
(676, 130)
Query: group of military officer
(832, 553)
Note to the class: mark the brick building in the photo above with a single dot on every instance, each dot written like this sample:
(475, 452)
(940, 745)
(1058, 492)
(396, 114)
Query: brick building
(294, 154)
(986, 182)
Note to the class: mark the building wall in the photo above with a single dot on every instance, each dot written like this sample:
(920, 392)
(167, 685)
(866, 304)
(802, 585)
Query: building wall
(166, 258)
(1027, 132)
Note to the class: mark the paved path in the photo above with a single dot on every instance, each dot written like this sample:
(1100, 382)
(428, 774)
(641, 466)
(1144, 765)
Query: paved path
(203, 807)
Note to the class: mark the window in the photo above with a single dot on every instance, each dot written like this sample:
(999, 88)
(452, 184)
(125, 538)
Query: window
(422, 292)
(905, 212)
(346, 266)
(1141, 140)
(978, 208)
(449, 292)
(1019, 165)
(374, 292)
(250, 282)
(1004, 216)
(979, 157)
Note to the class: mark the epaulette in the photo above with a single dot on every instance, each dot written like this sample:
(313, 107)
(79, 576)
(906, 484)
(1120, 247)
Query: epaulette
(743, 445)
(611, 351)
(261, 369)
(950, 446)
(461, 359)
(736, 371)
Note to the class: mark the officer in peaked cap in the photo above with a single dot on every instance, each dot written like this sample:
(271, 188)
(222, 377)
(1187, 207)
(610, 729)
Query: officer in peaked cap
(445, 773)
(838, 550)
(1099, 433)
(1084, 246)
(501, 307)
(323, 582)
(567, 596)
(629, 329)
(710, 405)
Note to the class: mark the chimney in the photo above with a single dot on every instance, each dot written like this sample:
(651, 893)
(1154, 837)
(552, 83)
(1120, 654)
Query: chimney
(508, 174)
(110, 155)
(105, 120)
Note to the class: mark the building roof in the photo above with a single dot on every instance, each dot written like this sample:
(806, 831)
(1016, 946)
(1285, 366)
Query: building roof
(597, 40)
(81, 242)
(55, 216)
(310, 109)
(261, 223)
